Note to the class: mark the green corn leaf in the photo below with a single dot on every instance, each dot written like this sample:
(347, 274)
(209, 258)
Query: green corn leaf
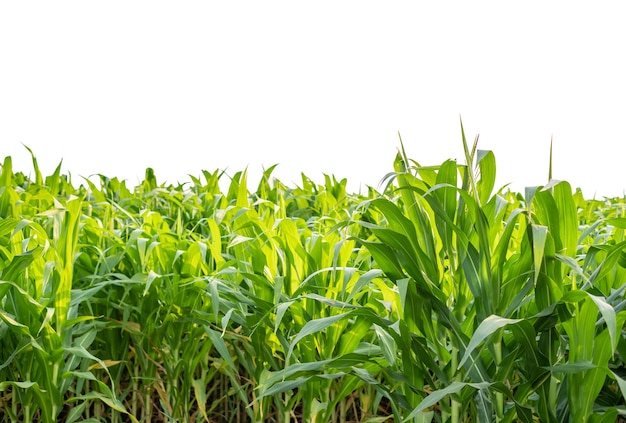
(540, 234)
(363, 281)
(577, 367)
(220, 346)
(314, 326)
(486, 328)
(388, 345)
(440, 394)
(330, 302)
(281, 387)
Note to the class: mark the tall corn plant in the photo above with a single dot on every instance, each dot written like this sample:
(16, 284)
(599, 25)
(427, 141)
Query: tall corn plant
(44, 340)
(484, 280)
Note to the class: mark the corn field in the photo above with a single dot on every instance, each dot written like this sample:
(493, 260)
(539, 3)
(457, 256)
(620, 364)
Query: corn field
(434, 298)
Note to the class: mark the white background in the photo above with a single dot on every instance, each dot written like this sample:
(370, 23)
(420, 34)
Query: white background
(317, 87)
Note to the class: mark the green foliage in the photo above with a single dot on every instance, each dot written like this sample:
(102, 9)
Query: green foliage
(435, 300)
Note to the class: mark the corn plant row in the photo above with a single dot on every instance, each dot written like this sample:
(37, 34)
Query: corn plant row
(433, 299)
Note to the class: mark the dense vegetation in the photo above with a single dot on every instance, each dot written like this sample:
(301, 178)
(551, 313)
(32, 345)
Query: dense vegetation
(436, 299)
